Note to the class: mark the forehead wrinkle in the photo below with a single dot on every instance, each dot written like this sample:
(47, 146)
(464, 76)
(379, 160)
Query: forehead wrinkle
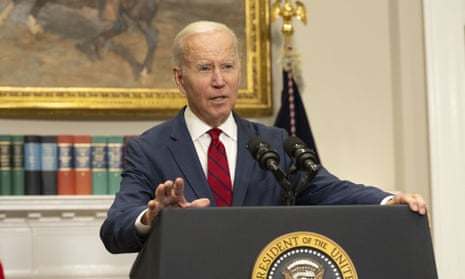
(197, 48)
(208, 55)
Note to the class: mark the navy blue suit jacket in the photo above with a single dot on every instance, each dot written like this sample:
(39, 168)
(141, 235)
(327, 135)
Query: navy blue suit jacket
(166, 152)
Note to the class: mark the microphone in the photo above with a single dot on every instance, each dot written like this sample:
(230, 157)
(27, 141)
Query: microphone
(305, 158)
(267, 157)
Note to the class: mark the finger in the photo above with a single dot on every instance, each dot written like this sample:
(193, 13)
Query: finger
(153, 209)
(160, 192)
(163, 190)
(178, 187)
(412, 202)
(152, 205)
(200, 203)
(421, 205)
(416, 203)
(168, 191)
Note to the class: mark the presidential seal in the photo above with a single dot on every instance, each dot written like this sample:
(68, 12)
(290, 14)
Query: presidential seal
(303, 255)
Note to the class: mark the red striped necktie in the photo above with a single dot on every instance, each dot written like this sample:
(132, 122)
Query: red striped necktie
(219, 177)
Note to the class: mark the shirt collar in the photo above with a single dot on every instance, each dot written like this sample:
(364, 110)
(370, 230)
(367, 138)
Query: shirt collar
(198, 128)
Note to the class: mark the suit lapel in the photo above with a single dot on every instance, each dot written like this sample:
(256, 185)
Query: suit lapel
(244, 164)
(186, 158)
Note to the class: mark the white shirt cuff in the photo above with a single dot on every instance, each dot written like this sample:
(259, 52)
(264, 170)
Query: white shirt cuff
(386, 199)
(141, 228)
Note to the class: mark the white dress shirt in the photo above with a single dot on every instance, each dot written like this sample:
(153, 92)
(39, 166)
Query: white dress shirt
(201, 139)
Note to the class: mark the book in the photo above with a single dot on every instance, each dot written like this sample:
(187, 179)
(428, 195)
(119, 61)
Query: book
(115, 163)
(82, 174)
(17, 165)
(99, 158)
(49, 164)
(32, 165)
(5, 166)
(65, 170)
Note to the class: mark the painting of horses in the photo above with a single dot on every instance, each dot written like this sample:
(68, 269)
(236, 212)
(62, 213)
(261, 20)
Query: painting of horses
(114, 56)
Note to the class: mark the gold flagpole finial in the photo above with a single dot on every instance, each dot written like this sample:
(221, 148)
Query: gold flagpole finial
(288, 12)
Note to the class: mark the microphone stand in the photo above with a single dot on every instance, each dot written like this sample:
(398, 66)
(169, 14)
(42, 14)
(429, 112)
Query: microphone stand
(304, 181)
(288, 195)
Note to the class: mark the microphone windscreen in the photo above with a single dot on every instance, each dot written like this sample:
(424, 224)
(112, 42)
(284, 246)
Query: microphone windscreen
(254, 144)
(291, 143)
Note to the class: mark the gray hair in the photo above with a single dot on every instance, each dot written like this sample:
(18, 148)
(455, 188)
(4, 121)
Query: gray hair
(197, 28)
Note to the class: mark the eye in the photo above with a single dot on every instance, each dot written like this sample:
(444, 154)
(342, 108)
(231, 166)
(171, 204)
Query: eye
(204, 68)
(228, 66)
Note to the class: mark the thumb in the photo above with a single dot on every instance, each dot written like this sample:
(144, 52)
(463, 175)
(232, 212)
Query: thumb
(200, 203)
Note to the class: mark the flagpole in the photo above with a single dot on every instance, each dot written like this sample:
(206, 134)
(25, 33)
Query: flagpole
(292, 115)
(288, 11)
(291, 96)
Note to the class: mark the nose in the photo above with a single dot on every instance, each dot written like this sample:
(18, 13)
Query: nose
(217, 78)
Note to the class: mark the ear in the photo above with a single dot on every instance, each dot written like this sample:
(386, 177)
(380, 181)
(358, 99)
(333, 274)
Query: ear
(178, 78)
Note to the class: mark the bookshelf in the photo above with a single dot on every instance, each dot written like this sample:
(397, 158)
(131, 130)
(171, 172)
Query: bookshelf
(61, 164)
(57, 237)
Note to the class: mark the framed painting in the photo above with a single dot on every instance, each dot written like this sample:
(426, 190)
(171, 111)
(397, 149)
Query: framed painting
(89, 59)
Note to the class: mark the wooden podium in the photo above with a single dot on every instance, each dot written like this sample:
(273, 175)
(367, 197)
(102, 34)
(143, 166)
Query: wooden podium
(349, 242)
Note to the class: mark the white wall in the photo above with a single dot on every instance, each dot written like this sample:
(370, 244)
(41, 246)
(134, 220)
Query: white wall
(347, 71)
(444, 30)
(365, 90)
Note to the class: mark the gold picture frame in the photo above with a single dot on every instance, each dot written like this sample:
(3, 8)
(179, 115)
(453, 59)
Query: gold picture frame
(29, 92)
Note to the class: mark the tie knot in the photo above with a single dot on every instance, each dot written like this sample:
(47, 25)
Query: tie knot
(214, 134)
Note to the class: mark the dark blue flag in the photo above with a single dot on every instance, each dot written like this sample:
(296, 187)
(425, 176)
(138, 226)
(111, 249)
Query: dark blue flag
(292, 115)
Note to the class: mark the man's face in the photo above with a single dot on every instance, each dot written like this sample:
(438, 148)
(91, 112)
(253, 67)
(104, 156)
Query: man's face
(211, 75)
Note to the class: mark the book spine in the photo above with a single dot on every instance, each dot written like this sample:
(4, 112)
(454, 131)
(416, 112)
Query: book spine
(32, 166)
(17, 163)
(99, 158)
(49, 164)
(65, 171)
(83, 174)
(115, 163)
(5, 166)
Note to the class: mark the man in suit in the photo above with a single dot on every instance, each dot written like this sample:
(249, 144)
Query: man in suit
(167, 166)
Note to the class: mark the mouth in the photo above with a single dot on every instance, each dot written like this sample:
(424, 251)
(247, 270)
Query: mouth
(218, 98)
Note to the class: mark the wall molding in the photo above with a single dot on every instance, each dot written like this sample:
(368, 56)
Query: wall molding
(57, 237)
